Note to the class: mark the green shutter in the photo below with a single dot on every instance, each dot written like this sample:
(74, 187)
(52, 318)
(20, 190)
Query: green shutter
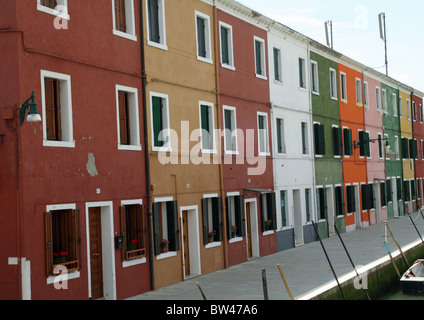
(239, 207)
(347, 136)
(217, 217)
(337, 141)
(279, 140)
(272, 209)
(153, 8)
(156, 227)
(173, 231)
(405, 148)
(205, 221)
(383, 194)
(399, 188)
(206, 130)
(224, 46)
(157, 120)
(367, 150)
(201, 40)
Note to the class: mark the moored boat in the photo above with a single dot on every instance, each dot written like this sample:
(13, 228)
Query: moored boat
(412, 280)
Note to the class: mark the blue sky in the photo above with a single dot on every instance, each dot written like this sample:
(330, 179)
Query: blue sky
(356, 30)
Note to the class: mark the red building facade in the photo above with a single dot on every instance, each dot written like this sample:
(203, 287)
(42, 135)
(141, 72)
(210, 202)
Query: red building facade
(246, 121)
(77, 179)
(418, 130)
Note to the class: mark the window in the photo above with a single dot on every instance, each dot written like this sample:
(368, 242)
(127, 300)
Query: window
(347, 138)
(339, 201)
(358, 92)
(63, 239)
(343, 88)
(308, 204)
(407, 193)
(281, 142)
(128, 118)
(399, 188)
(378, 98)
(133, 229)
(263, 133)
(227, 52)
(212, 218)
(277, 65)
(386, 146)
(394, 103)
(283, 200)
(321, 203)
(260, 63)
(383, 194)
(413, 149)
(123, 19)
(414, 111)
(319, 137)
(165, 225)
(305, 145)
(422, 149)
(156, 23)
(230, 126)
(421, 113)
(405, 148)
(160, 121)
(337, 141)
(235, 216)
(400, 107)
(366, 96)
(333, 84)
(203, 36)
(207, 126)
(408, 109)
(380, 146)
(397, 147)
(364, 143)
(314, 76)
(54, 7)
(302, 74)
(389, 190)
(268, 212)
(367, 196)
(57, 108)
(384, 100)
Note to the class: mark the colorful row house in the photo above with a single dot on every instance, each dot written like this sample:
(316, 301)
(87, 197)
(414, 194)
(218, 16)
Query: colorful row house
(178, 140)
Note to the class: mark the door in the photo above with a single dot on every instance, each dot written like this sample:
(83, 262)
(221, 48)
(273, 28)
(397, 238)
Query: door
(249, 231)
(96, 252)
(330, 210)
(298, 224)
(186, 244)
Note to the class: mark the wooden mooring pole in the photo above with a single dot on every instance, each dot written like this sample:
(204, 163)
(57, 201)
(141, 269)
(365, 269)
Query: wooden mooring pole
(328, 259)
(285, 282)
(415, 226)
(397, 244)
(391, 259)
(264, 284)
(201, 291)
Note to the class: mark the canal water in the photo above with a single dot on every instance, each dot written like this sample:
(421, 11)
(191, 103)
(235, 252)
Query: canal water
(397, 294)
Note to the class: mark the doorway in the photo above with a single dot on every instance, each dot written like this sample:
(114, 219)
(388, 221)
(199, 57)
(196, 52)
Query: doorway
(330, 210)
(298, 224)
(190, 241)
(252, 238)
(100, 251)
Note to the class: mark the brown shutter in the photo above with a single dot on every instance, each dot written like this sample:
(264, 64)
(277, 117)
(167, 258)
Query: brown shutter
(123, 118)
(53, 109)
(58, 109)
(144, 226)
(120, 18)
(139, 225)
(48, 243)
(77, 236)
(124, 231)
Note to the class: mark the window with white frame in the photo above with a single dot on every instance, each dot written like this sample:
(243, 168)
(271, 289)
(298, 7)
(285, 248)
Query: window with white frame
(400, 107)
(203, 37)
(394, 103)
(305, 140)
(277, 65)
(358, 92)
(156, 35)
(378, 98)
(124, 19)
(128, 118)
(302, 73)
(421, 113)
(333, 84)
(281, 143)
(260, 62)
(57, 108)
(408, 109)
(343, 86)
(414, 111)
(384, 100)
(165, 225)
(230, 128)
(397, 148)
(366, 95)
(227, 52)
(263, 133)
(207, 125)
(159, 104)
(314, 76)
(54, 7)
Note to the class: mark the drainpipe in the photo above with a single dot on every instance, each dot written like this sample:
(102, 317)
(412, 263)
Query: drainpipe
(218, 113)
(146, 149)
(415, 163)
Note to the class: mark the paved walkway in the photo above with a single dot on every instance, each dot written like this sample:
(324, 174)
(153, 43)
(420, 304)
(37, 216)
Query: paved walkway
(306, 268)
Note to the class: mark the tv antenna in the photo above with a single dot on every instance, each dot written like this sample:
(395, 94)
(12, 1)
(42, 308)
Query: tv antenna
(383, 36)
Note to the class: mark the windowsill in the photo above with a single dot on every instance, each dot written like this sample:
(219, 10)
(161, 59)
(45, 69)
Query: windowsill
(231, 153)
(264, 154)
(59, 144)
(267, 233)
(203, 59)
(344, 100)
(162, 149)
(335, 98)
(302, 89)
(208, 151)
(166, 255)
(228, 66)
(130, 263)
(125, 35)
(129, 147)
(53, 12)
(213, 244)
(157, 45)
(279, 82)
(61, 277)
(260, 76)
(315, 93)
(236, 239)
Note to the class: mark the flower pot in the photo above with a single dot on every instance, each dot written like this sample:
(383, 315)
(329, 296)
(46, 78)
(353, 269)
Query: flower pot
(210, 239)
(164, 249)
